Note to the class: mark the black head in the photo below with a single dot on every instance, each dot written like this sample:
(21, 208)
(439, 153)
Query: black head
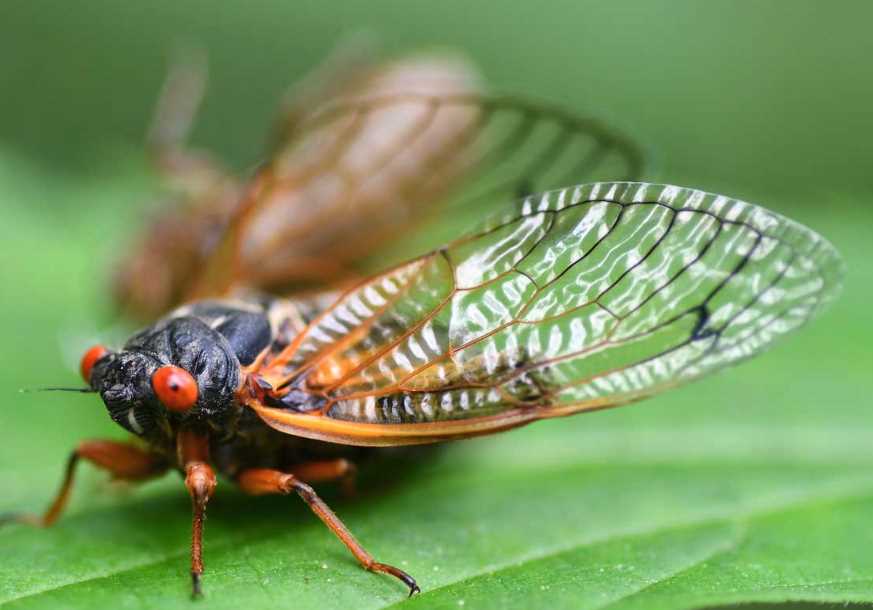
(178, 371)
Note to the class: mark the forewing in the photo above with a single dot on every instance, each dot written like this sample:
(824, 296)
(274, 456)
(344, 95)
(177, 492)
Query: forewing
(581, 298)
(361, 170)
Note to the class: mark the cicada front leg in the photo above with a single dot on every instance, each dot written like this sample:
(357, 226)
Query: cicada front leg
(200, 481)
(260, 481)
(123, 461)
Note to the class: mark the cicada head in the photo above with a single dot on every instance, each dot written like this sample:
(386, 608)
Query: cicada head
(178, 371)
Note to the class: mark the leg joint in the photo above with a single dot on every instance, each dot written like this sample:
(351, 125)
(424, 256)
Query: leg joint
(200, 481)
(303, 490)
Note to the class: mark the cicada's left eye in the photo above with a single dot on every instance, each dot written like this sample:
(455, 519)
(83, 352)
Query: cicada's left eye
(175, 387)
(89, 359)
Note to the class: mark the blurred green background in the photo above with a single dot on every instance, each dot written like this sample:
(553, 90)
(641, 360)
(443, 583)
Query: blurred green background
(754, 486)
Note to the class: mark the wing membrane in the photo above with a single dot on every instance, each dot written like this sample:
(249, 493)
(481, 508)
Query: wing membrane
(362, 169)
(364, 151)
(581, 298)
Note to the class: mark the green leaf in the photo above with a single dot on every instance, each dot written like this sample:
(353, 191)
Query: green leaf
(754, 486)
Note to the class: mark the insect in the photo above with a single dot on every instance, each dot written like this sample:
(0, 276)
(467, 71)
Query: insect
(570, 300)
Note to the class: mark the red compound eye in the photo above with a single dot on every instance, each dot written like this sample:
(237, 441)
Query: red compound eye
(175, 387)
(91, 356)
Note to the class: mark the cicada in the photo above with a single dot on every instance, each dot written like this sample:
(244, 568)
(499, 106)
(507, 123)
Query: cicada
(570, 299)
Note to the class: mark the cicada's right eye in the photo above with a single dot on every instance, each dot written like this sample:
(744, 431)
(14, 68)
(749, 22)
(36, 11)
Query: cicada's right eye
(175, 387)
(87, 363)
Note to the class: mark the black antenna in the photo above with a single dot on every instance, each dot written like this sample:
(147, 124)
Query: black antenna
(56, 389)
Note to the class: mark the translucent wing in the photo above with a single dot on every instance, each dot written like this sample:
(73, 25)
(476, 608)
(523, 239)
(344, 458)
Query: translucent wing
(364, 152)
(578, 299)
(359, 171)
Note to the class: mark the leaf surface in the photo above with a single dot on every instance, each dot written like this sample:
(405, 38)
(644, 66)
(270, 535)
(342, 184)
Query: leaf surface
(754, 486)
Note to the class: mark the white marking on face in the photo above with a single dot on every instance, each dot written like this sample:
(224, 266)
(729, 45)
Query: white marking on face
(131, 420)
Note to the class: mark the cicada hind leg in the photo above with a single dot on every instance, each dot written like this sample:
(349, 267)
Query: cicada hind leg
(123, 461)
(340, 470)
(259, 481)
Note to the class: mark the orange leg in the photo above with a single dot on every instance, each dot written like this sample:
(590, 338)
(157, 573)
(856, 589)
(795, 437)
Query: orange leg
(330, 470)
(258, 481)
(200, 481)
(124, 462)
